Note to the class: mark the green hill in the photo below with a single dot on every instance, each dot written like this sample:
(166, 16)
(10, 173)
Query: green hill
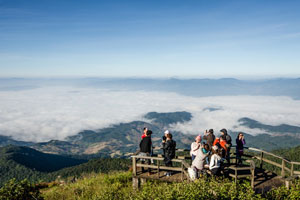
(24, 162)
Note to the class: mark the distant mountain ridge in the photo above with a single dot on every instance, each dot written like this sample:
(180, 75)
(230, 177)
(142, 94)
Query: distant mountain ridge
(190, 87)
(282, 128)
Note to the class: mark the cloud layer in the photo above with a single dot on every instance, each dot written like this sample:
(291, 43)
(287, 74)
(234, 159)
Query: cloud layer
(57, 112)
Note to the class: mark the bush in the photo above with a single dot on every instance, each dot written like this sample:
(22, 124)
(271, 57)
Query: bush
(23, 190)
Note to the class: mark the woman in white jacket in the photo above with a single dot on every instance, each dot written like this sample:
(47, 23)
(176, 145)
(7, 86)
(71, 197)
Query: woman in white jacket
(202, 153)
(195, 146)
(215, 161)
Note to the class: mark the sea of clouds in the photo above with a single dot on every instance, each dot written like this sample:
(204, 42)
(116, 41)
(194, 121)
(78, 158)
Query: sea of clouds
(46, 113)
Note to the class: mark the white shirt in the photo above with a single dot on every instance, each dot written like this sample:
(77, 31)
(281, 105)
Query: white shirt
(215, 161)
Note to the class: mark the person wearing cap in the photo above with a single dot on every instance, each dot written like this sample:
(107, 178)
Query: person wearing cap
(215, 161)
(195, 146)
(170, 148)
(145, 148)
(209, 137)
(144, 132)
(228, 143)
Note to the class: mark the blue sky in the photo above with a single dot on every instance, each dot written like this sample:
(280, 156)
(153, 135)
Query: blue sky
(149, 38)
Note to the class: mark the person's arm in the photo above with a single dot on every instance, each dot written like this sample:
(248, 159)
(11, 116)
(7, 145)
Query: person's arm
(195, 146)
(212, 161)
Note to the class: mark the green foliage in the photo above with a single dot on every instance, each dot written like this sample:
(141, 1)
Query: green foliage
(119, 186)
(23, 190)
(12, 168)
(282, 192)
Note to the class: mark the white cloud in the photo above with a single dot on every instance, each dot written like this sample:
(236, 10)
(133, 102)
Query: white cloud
(54, 113)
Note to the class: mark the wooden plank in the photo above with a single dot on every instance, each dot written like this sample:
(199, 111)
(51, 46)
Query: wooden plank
(161, 167)
(240, 168)
(272, 162)
(297, 172)
(287, 169)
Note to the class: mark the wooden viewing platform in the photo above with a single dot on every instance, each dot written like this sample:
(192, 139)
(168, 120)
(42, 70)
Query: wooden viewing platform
(261, 180)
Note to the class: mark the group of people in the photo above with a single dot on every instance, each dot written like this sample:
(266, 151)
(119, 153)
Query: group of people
(168, 144)
(205, 155)
(212, 153)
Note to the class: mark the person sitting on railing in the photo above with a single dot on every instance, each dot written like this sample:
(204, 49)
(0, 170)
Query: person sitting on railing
(145, 149)
(169, 147)
(195, 146)
(240, 142)
(215, 161)
(202, 153)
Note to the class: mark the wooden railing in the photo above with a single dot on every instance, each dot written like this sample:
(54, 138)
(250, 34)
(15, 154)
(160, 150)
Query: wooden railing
(281, 164)
(183, 165)
(292, 173)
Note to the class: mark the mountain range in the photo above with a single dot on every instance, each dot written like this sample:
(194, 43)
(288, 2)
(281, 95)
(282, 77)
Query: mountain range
(120, 140)
(190, 87)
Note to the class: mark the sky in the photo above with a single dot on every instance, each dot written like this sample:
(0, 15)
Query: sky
(192, 38)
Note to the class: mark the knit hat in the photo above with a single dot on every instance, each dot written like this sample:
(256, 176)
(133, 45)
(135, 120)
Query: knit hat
(224, 131)
(167, 132)
(198, 137)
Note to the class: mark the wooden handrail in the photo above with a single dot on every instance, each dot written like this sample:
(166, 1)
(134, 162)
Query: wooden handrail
(262, 159)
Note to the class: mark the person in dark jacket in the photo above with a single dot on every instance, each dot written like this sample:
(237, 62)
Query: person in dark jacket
(163, 142)
(209, 137)
(228, 143)
(170, 148)
(145, 148)
(240, 142)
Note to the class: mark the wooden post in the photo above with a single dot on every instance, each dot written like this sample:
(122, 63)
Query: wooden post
(158, 168)
(261, 159)
(143, 181)
(292, 169)
(235, 174)
(134, 166)
(182, 168)
(135, 183)
(252, 177)
(282, 168)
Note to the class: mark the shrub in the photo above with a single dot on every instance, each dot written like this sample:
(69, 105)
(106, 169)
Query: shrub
(23, 190)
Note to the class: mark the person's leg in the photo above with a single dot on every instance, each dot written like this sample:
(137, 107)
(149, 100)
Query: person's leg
(228, 155)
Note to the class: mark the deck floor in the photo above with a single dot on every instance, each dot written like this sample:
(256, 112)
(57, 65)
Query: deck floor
(264, 180)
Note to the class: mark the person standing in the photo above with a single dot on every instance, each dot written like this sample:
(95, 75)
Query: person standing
(163, 142)
(228, 143)
(145, 148)
(144, 134)
(209, 137)
(195, 146)
(170, 148)
(240, 142)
